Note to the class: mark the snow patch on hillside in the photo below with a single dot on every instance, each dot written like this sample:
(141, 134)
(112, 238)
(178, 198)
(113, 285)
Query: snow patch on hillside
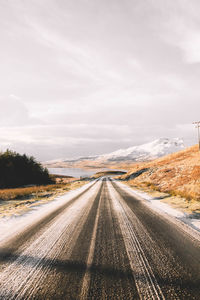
(148, 151)
(145, 152)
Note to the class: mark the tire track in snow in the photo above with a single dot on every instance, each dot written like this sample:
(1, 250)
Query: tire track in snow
(20, 232)
(64, 280)
(172, 252)
(22, 278)
(110, 273)
(86, 278)
(146, 282)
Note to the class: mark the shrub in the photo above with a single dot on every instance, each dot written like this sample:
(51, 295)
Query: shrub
(19, 170)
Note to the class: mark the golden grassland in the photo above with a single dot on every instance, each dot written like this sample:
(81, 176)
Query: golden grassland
(191, 207)
(23, 192)
(177, 174)
(20, 193)
(20, 200)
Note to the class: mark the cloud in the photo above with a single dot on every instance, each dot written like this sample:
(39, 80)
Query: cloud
(190, 44)
(95, 76)
(181, 28)
(66, 139)
(14, 112)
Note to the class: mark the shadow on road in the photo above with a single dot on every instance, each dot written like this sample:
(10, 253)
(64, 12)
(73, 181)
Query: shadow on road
(65, 266)
(72, 266)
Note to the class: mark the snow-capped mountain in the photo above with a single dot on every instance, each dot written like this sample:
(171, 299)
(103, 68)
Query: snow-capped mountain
(145, 152)
(148, 151)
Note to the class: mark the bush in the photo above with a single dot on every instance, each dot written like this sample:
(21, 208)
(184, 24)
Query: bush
(19, 170)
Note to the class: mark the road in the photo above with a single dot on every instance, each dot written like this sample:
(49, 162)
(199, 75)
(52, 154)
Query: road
(102, 243)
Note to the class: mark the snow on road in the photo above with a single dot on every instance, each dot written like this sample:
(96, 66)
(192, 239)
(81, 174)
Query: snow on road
(146, 283)
(163, 208)
(17, 279)
(10, 226)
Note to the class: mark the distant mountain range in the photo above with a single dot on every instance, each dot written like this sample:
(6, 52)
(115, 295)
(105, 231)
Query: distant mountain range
(145, 152)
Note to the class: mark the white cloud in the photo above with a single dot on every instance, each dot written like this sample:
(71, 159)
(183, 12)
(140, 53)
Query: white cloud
(181, 28)
(14, 112)
(190, 44)
(95, 76)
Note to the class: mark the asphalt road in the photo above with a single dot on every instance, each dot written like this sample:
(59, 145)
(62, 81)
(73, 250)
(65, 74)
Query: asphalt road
(103, 243)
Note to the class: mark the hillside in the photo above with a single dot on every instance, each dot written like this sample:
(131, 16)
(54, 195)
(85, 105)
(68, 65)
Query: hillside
(177, 173)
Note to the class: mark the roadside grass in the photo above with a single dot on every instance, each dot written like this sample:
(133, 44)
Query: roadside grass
(20, 193)
(179, 201)
(174, 179)
(177, 174)
(37, 191)
(20, 200)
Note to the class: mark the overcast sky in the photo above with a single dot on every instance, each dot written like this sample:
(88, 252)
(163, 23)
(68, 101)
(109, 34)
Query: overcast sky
(83, 77)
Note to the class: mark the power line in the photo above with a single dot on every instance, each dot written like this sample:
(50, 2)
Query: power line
(198, 126)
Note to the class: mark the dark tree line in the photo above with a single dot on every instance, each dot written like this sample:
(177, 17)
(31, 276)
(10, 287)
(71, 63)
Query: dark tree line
(18, 170)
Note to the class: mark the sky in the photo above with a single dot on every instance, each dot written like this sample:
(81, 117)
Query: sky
(85, 77)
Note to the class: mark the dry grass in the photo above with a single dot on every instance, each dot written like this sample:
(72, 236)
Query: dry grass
(62, 184)
(177, 174)
(191, 207)
(19, 201)
(12, 194)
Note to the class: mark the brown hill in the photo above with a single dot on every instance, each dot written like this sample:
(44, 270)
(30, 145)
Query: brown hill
(177, 174)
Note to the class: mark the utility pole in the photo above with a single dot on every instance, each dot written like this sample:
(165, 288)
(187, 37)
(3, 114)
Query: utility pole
(198, 126)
